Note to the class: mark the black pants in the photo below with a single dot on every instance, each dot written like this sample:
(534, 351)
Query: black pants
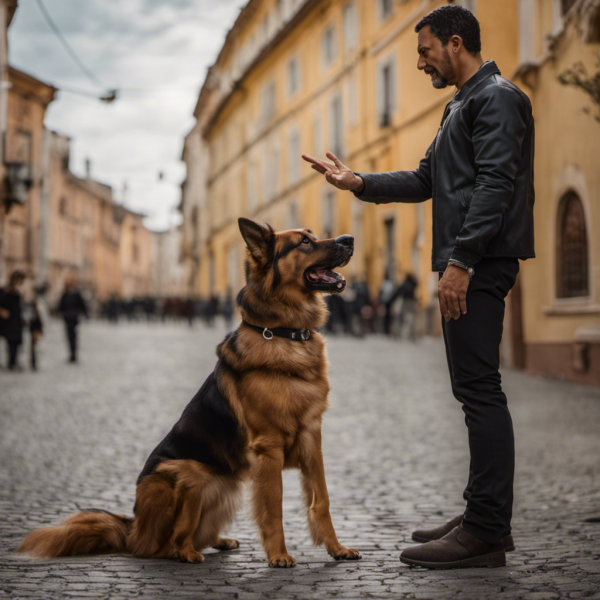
(71, 328)
(473, 350)
(13, 352)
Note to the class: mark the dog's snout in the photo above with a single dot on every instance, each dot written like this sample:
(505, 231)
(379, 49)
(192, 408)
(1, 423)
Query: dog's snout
(345, 240)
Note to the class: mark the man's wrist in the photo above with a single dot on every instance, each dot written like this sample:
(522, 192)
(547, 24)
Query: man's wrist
(461, 265)
(360, 184)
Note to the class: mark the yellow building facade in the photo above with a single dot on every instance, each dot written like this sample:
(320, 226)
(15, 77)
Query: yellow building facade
(309, 76)
(560, 289)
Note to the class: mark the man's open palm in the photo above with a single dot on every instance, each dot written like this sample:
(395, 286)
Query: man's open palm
(337, 174)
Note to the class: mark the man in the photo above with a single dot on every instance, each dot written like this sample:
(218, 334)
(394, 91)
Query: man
(71, 307)
(11, 317)
(479, 172)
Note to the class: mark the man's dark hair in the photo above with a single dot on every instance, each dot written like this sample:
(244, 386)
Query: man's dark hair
(450, 20)
(16, 276)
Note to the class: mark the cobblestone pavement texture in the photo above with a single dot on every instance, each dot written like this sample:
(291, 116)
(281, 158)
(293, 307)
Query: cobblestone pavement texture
(396, 457)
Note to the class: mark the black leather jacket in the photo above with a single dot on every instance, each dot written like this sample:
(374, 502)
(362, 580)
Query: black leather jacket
(479, 172)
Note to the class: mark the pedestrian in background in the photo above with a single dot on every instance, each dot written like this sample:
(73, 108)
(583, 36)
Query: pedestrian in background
(36, 320)
(479, 173)
(406, 316)
(11, 317)
(71, 307)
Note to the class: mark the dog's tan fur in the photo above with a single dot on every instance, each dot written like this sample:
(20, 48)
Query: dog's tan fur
(277, 391)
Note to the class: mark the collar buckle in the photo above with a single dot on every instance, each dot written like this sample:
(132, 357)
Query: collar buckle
(267, 334)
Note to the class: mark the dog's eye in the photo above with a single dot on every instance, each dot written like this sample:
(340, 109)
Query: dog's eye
(306, 241)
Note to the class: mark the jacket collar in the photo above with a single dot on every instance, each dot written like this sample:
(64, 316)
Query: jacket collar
(486, 70)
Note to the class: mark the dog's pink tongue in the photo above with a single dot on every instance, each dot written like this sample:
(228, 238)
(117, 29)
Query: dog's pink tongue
(326, 276)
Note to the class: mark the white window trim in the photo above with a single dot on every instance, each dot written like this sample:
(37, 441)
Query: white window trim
(295, 58)
(326, 60)
(350, 25)
(469, 4)
(391, 62)
(381, 18)
(293, 151)
(333, 120)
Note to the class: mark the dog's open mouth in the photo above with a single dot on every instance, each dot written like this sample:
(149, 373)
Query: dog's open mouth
(325, 279)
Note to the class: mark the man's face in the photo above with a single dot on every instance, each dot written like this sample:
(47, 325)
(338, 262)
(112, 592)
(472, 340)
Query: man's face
(434, 59)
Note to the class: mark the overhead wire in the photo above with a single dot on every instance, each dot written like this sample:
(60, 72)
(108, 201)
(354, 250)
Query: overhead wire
(66, 45)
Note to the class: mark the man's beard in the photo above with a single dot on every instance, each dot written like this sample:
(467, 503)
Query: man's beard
(440, 79)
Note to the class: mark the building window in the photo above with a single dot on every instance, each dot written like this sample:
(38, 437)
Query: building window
(292, 221)
(336, 134)
(271, 168)
(386, 91)
(62, 206)
(252, 187)
(267, 102)
(317, 136)
(294, 157)
(350, 21)
(468, 4)
(352, 99)
(293, 76)
(572, 249)
(328, 46)
(566, 5)
(384, 9)
(327, 212)
(526, 31)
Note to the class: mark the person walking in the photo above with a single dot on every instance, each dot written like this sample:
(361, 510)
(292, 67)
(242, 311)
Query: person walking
(11, 317)
(37, 318)
(479, 173)
(406, 318)
(72, 306)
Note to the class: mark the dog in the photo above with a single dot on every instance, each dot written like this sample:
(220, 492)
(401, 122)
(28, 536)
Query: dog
(256, 414)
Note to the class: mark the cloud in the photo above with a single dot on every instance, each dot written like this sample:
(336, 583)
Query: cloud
(157, 53)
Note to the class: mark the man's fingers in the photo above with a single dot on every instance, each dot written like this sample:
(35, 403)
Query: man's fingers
(316, 161)
(319, 168)
(454, 306)
(463, 304)
(444, 306)
(336, 161)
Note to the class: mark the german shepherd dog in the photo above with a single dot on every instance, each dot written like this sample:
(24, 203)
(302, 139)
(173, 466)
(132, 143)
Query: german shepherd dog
(258, 412)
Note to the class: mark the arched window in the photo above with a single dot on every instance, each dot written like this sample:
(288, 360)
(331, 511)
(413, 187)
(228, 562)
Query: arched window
(572, 250)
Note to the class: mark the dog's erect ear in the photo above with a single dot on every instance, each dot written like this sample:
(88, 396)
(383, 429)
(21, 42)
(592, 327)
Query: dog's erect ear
(258, 239)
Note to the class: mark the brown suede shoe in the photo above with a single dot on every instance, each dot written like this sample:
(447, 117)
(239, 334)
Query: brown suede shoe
(428, 535)
(456, 550)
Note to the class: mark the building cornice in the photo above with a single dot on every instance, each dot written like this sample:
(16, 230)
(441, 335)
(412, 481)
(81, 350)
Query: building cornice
(280, 36)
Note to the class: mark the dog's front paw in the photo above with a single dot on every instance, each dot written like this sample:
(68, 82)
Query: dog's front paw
(283, 560)
(342, 553)
(227, 544)
(190, 556)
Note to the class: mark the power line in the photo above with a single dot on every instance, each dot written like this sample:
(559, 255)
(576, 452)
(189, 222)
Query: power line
(66, 46)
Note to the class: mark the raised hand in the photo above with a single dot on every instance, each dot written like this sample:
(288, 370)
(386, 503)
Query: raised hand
(337, 174)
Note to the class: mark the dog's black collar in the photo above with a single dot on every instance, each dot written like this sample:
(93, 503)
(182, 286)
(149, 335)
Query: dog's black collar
(298, 335)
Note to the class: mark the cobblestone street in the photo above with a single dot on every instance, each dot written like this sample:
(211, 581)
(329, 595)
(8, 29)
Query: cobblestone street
(396, 458)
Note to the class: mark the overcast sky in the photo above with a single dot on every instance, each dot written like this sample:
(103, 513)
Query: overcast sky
(157, 52)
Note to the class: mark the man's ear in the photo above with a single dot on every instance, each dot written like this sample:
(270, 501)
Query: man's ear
(258, 239)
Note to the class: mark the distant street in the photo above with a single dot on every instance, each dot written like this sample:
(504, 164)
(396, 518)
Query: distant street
(396, 458)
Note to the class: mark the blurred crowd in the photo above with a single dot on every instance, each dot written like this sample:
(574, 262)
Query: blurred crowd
(24, 312)
(391, 312)
(149, 308)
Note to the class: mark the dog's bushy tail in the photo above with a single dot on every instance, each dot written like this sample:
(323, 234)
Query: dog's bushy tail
(88, 532)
